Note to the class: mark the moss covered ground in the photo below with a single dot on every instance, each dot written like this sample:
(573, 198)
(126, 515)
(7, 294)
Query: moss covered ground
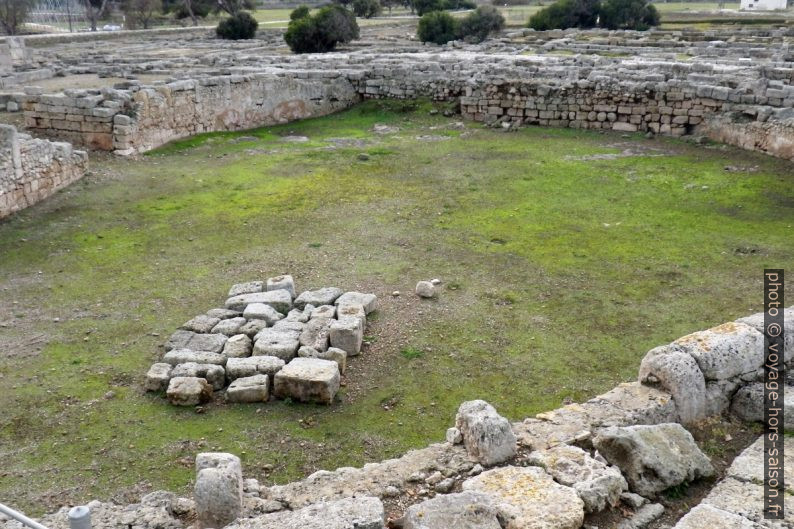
(565, 256)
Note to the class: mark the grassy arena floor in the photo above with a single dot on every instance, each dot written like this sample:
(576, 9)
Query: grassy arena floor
(565, 254)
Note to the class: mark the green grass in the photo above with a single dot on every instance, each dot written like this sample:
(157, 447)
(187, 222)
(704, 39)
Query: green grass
(559, 273)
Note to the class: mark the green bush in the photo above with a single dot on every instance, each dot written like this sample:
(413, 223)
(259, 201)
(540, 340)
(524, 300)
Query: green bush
(238, 26)
(565, 14)
(437, 26)
(629, 14)
(455, 5)
(367, 8)
(422, 7)
(476, 26)
(321, 32)
(299, 12)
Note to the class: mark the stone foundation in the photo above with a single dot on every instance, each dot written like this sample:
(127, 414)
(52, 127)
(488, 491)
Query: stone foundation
(33, 169)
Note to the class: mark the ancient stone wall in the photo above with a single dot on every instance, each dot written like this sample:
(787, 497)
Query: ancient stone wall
(663, 98)
(33, 169)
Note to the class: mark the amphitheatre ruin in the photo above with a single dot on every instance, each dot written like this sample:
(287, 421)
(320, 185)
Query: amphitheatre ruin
(513, 284)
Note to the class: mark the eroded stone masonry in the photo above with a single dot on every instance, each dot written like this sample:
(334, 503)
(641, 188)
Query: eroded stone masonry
(618, 451)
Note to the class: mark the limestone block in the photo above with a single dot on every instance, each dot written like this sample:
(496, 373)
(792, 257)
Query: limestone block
(200, 324)
(212, 373)
(278, 343)
(362, 512)
(316, 333)
(254, 365)
(347, 334)
(278, 299)
(466, 510)
(679, 374)
(284, 282)
(336, 355)
(261, 311)
(249, 389)
(218, 492)
(368, 301)
(158, 377)
(308, 379)
(725, 351)
(207, 342)
(188, 391)
(238, 346)
(488, 437)
(183, 356)
(323, 296)
(230, 326)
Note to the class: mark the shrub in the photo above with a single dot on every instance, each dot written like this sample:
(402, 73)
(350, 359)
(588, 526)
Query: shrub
(141, 13)
(564, 14)
(323, 31)
(423, 7)
(299, 12)
(476, 26)
(628, 14)
(367, 8)
(241, 25)
(454, 5)
(437, 26)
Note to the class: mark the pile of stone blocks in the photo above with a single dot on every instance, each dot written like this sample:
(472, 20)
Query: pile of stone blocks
(267, 341)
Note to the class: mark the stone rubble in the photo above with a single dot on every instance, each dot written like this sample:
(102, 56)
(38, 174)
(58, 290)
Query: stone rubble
(259, 346)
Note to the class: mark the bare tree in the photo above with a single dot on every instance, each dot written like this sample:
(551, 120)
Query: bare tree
(13, 14)
(234, 6)
(190, 12)
(140, 13)
(94, 10)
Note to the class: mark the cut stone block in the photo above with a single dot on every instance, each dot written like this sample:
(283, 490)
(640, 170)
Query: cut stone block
(254, 365)
(368, 302)
(488, 436)
(708, 517)
(184, 356)
(324, 311)
(361, 512)
(337, 355)
(188, 391)
(315, 334)
(352, 311)
(323, 296)
(223, 314)
(278, 299)
(253, 327)
(249, 389)
(230, 326)
(251, 287)
(527, 498)
(308, 380)
(158, 377)
(201, 324)
(207, 342)
(276, 343)
(261, 311)
(218, 492)
(179, 340)
(294, 327)
(467, 510)
(284, 282)
(348, 335)
(212, 373)
(726, 351)
(238, 346)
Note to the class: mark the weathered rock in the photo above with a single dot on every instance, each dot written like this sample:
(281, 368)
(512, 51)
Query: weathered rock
(597, 484)
(748, 402)
(708, 517)
(425, 289)
(749, 465)
(635, 501)
(369, 302)
(284, 282)
(756, 321)
(307, 380)
(238, 346)
(726, 351)
(218, 491)
(281, 344)
(254, 365)
(679, 374)
(315, 334)
(261, 311)
(253, 327)
(361, 512)
(487, 435)
(299, 315)
(249, 389)
(184, 356)
(278, 299)
(454, 436)
(293, 327)
(653, 458)
(201, 324)
(643, 517)
(324, 311)
(323, 296)
(223, 314)
(527, 498)
(229, 326)
(467, 510)
(212, 343)
(212, 373)
(179, 340)
(347, 334)
(336, 355)
(352, 311)
(188, 391)
(158, 376)
(251, 287)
